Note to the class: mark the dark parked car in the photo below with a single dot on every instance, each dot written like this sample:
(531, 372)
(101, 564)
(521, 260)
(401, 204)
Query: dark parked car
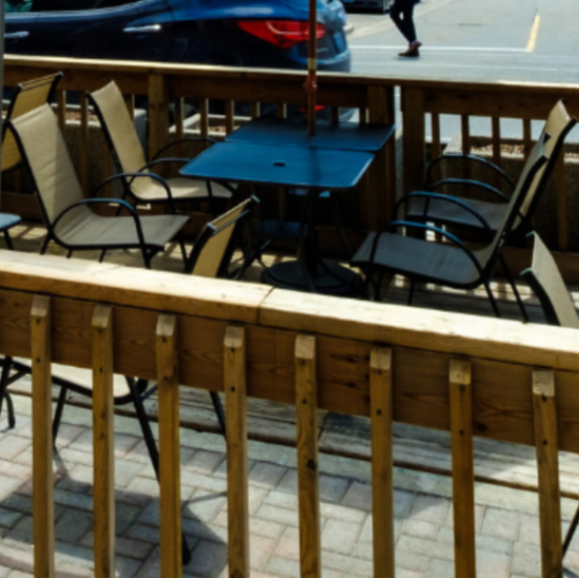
(254, 33)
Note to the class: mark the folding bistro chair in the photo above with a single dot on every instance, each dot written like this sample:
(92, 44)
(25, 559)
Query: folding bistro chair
(482, 215)
(449, 264)
(130, 159)
(67, 214)
(546, 282)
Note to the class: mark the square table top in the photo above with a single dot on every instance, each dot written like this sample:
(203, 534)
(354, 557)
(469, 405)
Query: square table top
(310, 168)
(347, 135)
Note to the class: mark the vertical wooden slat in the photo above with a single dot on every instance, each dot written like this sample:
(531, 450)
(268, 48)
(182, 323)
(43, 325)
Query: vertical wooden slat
(496, 138)
(382, 461)
(391, 164)
(130, 104)
(466, 144)
(362, 114)
(229, 114)
(561, 185)
(236, 417)
(179, 117)
(169, 461)
(461, 419)
(281, 111)
(204, 117)
(307, 449)
(436, 145)
(527, 138)
(61, 108)
(107, 170)
(158, 113)
(42, 476)
(335, 112)
(83, 148)
(547, 445)
(103, 442)
(414, 144)
(255, 110)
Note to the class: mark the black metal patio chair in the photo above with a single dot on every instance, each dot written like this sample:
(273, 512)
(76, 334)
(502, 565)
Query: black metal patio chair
(451, 264)
(67, 213)
(432, 206)
(546, 281)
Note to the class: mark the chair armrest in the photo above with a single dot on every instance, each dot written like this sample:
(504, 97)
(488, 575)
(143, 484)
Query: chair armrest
(183, 140)
(472, 183)
(469, 158)
(134, 176)
(104, 201)
(446, 199)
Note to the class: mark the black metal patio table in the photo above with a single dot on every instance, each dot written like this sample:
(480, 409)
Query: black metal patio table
(314, 169)
(346, 136)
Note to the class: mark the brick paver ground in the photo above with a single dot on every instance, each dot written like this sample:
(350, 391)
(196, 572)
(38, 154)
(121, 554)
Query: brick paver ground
(507, 522)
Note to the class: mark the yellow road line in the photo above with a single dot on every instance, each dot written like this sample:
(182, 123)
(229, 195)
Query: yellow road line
(534, 33)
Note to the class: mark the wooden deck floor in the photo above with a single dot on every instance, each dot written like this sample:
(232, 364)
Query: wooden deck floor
(415, 448)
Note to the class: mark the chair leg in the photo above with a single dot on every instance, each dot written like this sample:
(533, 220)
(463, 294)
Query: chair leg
(218, 410)
(153, 451)
(102, 256)
(69, 254)
(6, 364)
(45, 244)
(58, 414)
(10, 408)
(571, 531)
(8, 240)
(515, 290)
(492, 300)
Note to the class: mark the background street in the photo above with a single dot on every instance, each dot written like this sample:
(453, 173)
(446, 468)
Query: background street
(533, 41)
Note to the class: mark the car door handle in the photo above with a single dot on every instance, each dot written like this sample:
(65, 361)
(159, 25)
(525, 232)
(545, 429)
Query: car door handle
(142, 29)
(16, 35)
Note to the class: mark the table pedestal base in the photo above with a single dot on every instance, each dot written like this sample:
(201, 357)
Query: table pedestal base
(291, 275)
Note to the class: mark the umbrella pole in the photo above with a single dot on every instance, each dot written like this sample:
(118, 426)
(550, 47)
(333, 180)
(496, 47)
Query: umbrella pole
(311, 85)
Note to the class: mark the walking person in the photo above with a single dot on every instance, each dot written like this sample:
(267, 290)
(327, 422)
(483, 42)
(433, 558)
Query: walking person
(401, 13)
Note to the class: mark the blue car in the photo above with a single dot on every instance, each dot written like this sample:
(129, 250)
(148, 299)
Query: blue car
(249, 33)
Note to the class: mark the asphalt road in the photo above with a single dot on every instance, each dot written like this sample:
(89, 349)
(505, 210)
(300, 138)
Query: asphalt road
(522, 40)
(534, 41)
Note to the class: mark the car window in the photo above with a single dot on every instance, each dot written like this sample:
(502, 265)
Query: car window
(18, 5)
(68, 5)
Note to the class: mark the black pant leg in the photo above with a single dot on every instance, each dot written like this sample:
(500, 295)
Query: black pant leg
(401, 13)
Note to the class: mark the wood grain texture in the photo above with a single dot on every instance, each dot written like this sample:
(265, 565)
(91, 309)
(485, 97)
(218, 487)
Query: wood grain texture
(83, 143)
(235, 387)
(61, 108)
(169, 461)
(461, 421)
(103, 442)
(158, 113)
(413, 139)
(42, 472)
(306, 400)
(546, 439)
(382, 461)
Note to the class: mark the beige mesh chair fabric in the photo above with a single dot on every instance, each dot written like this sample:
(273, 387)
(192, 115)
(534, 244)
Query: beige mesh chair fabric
(28, 96)
(214, 243)
(68, 216)
(545, 279)
(124, 141)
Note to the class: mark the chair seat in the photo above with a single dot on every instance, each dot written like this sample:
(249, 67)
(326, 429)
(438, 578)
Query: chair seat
(448, 213)
(80, 379)
(92, 230)
(182, 189)
(416, 258)
(8, 220)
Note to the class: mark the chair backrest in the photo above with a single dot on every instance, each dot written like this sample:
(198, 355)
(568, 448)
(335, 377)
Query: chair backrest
(535, 162)
(44, 152)
(558, 125)
(215, 245)
(27, 96)
(545, 280)
(119, 130)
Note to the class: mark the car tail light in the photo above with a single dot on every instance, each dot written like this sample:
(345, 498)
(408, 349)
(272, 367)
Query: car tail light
(282, 33)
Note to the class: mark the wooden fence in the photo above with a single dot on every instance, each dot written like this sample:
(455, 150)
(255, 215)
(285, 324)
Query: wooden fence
(470, 375)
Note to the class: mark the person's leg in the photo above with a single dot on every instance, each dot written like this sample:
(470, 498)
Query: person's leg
(398, 13)
(408, 14)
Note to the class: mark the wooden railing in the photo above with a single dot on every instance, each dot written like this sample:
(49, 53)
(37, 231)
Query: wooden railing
(470, 375)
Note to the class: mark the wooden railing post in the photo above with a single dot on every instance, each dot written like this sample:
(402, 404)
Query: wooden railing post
(413, 139)
(461, 419)
(158, 113)
(547, 445)
(561, 185)
(382, 461)
(103, 442)
(307, 447)
(83, 145)
(237, 476)
(169, 454)
(42, 474)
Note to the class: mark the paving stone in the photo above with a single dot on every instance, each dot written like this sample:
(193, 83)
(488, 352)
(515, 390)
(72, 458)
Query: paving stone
(359, 496)
(526, 559)
(282, 499)
(126, 471)
(205, 461)
(8, 517)
(340, 536)
(261, 549)
(18, 502)
(11, 446)
(403, 502)
(278, 515)
(400, 572)
(125, 516)
(79, 479)
(529, 530)
(124, 546)
(15, 470)
(18, 558)
(426, 547)
(282, 567)
(494, 544)
(72, 525)
(196, 480)
(341, 513)
(145, 533)
(289, 483)
(423, 529)
(350, 566)
(332, 488)
(441, 568)
(430, 508)
(501, 523)
(266, 475)
(204, 506)
(203, 531)
(74, 500)
(207, 559)
(492, 564)
(288, 546)
(412, 561)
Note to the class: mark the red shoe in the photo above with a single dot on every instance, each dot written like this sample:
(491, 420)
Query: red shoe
(412, 51)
